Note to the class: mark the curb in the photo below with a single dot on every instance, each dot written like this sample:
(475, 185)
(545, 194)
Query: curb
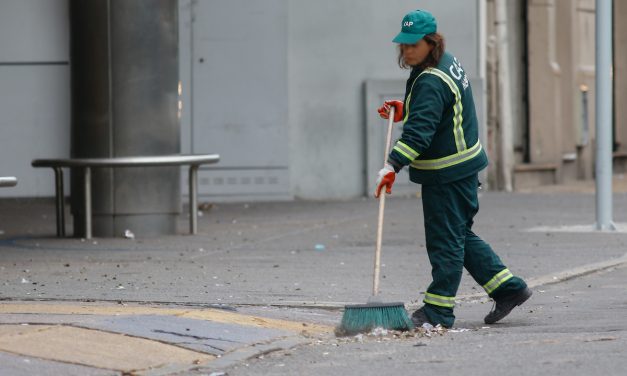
(245, 353)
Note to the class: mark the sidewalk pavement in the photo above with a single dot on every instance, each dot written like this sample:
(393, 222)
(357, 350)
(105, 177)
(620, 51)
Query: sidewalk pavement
(257, 278)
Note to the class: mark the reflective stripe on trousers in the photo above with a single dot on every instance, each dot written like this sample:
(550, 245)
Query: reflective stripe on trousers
(439, 300)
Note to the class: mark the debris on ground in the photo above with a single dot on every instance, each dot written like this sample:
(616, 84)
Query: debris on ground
(459, 330)
(205, 206)
(129, 234)
(382, 334)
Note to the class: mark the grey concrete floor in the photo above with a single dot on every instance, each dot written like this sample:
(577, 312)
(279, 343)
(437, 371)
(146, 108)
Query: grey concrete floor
(266, 253)
(578, 327)
(304, 260)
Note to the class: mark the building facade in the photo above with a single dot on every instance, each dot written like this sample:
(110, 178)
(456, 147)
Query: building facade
(286, 91)
(552, 74)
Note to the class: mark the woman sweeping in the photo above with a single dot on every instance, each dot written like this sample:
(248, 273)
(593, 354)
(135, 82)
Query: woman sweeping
(440, 145)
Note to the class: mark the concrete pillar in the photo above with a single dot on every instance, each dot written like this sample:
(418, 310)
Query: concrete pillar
(544, 83)
(570, 113)
(584, 75)
(124, 59)
(620, 80)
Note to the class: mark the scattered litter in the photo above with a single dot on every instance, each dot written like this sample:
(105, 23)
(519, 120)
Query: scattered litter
(378, 332)
(382, 334)
(319, 247)
(200, 213)
(24, 280)
(420, 344)
(430, 330)
(201, 250)
(120, 287)
(129, 234)
(217, 374)
(460, 330)
(601, 339)
(205, 206)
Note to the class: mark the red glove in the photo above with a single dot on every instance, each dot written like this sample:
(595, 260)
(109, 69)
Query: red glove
(386, 178)
(384, 110)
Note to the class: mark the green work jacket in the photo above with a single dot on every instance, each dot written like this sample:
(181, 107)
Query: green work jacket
(440, 139)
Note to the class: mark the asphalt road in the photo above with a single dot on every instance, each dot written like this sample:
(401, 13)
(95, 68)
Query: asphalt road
(578, 327)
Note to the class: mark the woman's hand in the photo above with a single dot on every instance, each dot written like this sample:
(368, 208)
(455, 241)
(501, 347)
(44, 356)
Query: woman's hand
(384, 111)
(386, 178)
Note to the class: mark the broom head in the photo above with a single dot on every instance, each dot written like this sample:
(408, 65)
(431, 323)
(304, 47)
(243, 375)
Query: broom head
(362, 318)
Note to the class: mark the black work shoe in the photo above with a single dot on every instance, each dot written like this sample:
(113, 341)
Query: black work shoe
(419, 317)
(504, 306)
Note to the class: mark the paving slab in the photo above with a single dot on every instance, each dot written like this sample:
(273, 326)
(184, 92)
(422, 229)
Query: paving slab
(142, 340)
(93, 348)
(18, 365)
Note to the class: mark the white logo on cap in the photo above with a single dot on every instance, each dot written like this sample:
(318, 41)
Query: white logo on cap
(408, 23)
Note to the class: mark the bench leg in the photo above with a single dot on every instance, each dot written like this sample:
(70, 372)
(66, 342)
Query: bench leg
(60, 203)
(193, 199)
(87, 187)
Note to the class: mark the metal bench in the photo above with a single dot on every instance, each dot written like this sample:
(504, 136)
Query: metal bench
(8, 181)
(86, 164)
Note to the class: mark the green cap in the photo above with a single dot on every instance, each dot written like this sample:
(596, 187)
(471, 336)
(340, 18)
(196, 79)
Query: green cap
(416, 24)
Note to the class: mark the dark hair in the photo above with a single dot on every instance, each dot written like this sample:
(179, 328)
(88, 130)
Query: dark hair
(434, 39)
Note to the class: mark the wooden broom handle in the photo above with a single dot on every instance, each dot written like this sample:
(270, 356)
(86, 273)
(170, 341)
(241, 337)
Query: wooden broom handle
(377, 252)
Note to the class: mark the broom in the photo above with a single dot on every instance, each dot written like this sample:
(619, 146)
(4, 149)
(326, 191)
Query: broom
(359, 318)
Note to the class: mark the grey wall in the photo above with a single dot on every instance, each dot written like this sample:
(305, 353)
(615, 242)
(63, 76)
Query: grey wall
(299, 130)
(34, 91)
(234, 77)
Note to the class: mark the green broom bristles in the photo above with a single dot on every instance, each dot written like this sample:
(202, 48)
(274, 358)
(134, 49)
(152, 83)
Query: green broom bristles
(360, 318)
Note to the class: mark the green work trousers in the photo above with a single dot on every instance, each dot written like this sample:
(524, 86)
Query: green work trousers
(449, 210)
